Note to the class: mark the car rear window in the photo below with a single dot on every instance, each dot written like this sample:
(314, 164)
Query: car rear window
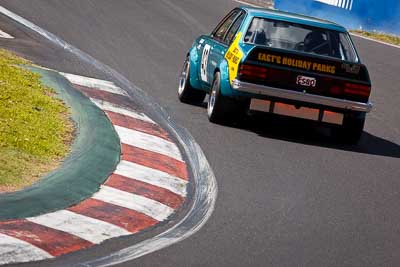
(303, 38)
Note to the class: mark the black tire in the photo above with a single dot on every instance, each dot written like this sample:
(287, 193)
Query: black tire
(351, 130)
(223, 109)
(186, 93)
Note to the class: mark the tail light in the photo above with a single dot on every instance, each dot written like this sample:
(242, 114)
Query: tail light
(336, 90)
(357, 89)
(252, 71)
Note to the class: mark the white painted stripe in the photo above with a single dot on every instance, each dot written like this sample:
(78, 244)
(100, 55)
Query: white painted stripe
(246, 3)
(14, 250)
(148, 142)
(152, 176)
(345, 4)
(199, 213)
(90, 229)
(107, 106)
(204, 178)
(348, 4)
(94, 83)
(374, 40)
(5, 35)
(351, 5)
(135, 202)
(252, 4)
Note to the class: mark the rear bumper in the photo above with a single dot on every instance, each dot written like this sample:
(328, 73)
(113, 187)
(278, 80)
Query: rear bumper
(300, 96)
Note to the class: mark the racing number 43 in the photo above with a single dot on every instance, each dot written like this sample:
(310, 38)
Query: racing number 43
(204, 62)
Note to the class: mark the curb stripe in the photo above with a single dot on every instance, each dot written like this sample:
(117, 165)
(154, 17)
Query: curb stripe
(15, 250)
(148, 142)
(138, 125)
(94, 83)
(152, 176)
(128, 219)
(5, 35)
(127, 200)
(105, 96)
(155, 161)
(87, 228)
(204, 179)
(52, 241)
(107, 106)
(156, 193)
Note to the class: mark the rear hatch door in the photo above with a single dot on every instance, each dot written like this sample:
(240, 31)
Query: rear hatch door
(305, 72)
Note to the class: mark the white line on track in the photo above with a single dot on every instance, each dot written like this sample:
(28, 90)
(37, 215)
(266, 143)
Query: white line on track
(148, 142)
(102, 85)
(107, 106)
(251, 4)
(247, 4)
(373, 40)
(204, 179)
(135, 202)
(5, 35)
(152, 176)
(15, 250)
(87, 228)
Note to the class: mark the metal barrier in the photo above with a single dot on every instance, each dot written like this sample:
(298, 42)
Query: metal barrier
(383, 15)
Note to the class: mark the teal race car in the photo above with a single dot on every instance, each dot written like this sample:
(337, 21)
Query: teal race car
(265, 60)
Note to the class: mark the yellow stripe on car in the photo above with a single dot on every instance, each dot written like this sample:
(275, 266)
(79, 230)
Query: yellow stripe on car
(234, 55)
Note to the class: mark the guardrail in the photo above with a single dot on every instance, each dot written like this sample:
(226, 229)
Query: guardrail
(371, 15)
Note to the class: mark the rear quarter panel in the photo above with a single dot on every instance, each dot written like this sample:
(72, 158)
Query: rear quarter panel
(195, 61)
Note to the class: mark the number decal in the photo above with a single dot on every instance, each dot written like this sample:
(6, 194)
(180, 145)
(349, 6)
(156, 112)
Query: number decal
(204, 62)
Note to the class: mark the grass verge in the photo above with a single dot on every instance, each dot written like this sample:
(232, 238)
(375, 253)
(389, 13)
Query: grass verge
(35, 129)
(384, 37)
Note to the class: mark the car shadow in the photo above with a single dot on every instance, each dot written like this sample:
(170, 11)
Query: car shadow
(300, 131)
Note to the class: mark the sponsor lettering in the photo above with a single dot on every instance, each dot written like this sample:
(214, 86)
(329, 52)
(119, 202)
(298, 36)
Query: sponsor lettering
(296, 63)
(354, 69)
(233, 56)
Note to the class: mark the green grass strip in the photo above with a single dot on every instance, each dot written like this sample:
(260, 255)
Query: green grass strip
(384, 37)
(35, 130)
(94, 155)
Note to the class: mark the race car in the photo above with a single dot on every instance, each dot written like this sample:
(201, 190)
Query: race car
(265, 60)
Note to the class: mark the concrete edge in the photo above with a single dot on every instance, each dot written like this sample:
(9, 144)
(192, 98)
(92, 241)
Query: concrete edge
(204, 179)
(94, 155)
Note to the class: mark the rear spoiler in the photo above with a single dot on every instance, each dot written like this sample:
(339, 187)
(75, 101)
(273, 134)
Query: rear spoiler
(309, 63)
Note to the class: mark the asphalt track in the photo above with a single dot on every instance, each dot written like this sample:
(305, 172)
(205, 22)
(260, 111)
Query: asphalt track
(288, 194)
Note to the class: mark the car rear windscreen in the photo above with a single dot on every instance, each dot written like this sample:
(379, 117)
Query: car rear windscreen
(302, 38)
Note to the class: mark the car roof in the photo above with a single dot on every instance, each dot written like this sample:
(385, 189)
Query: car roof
(292, 17)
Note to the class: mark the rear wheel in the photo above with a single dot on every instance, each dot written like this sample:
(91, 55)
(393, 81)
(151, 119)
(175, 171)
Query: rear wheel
(221, 108)
(186, 93)
(351, 130)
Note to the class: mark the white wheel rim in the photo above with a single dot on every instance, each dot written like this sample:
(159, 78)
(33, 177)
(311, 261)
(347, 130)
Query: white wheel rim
(211, 101)
(183, 77)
